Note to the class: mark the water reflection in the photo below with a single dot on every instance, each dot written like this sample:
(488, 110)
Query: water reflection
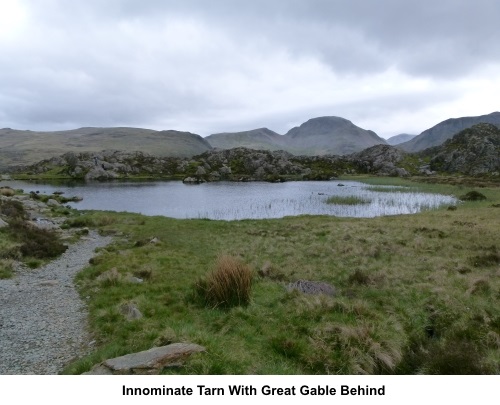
(231, 201)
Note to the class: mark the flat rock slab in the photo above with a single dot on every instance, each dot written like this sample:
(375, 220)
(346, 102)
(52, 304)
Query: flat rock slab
(150, 361)
(312, 287)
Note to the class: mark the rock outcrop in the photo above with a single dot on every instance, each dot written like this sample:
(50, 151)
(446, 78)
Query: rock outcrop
(380, 159)
(150, 361)
(445, 130)
(473, 151)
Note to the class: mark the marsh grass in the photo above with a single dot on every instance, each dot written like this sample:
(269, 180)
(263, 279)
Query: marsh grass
(347, 200)
(393, 189)
(409, 291)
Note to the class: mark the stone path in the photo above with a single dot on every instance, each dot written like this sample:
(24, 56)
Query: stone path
(42, 318)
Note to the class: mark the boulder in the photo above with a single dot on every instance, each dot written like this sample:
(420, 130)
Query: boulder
(193, 180)
(53, 203)
(200, 171)
(150, 361)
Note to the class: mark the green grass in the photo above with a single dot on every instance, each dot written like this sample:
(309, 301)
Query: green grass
(347, 200)
(416, 293)
(6, 269)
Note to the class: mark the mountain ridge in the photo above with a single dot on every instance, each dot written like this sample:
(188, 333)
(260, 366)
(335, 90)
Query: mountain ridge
(317, 136)
(400, 138)
(446, 129)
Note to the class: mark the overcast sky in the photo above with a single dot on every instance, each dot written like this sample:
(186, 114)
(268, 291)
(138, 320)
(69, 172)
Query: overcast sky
(208, 66)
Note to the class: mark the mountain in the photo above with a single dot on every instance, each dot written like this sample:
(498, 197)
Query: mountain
(445, 130)
(261, 138)
(330, 135)
(26, 147)
(397, 139)
(318, 136)
(473, 151)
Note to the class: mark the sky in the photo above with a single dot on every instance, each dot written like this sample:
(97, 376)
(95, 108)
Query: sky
(392, 66)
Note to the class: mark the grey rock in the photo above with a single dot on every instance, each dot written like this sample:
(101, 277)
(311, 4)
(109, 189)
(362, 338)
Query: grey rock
(200, 171)
(130, 311)
(150, 361)
(193, 180)
(134, 280)
(312, 287)
(98, 173)
(53, 203)
(3, 224)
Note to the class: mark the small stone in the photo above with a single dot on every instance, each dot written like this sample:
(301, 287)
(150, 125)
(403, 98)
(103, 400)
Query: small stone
(312, 287)
(130, 311)
(134, 280)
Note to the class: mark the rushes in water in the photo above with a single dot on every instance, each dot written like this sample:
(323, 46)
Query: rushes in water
(347, 200)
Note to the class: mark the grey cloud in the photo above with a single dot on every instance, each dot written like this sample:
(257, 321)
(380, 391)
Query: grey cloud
(213, 66)
(420, 37)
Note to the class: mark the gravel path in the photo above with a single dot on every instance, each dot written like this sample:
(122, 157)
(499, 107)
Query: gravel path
(42, 318)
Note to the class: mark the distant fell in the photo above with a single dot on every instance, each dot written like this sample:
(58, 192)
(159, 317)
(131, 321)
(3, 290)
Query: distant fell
(18, 147)
(331, 135)
(317, 136)
(397, 139)
(261, 138)
(445, 130)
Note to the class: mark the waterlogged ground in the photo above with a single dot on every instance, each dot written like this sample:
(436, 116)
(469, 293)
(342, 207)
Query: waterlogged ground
(233, 201)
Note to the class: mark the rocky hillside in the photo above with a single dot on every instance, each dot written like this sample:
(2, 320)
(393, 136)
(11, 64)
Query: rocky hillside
(397, 139)
(237, 164)
(439, 133)
(473, 151)
(27, 147)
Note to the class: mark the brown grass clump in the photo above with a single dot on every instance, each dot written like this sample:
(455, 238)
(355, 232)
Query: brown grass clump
(7, 192)
(12, 209)
(359, 277)
(110, 278)
(228, 285)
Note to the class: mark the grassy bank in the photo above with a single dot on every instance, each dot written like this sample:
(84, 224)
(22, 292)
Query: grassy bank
(415, 293)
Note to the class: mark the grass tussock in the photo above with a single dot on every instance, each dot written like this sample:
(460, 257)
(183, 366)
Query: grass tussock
(228, 285)
(473, 196)
(6, 269)
(7, 192)
(12, 209)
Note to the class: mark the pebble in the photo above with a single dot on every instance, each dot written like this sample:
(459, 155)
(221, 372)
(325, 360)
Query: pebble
(43, 321)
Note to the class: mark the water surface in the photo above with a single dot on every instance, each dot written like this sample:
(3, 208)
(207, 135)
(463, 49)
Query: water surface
(232, 200)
